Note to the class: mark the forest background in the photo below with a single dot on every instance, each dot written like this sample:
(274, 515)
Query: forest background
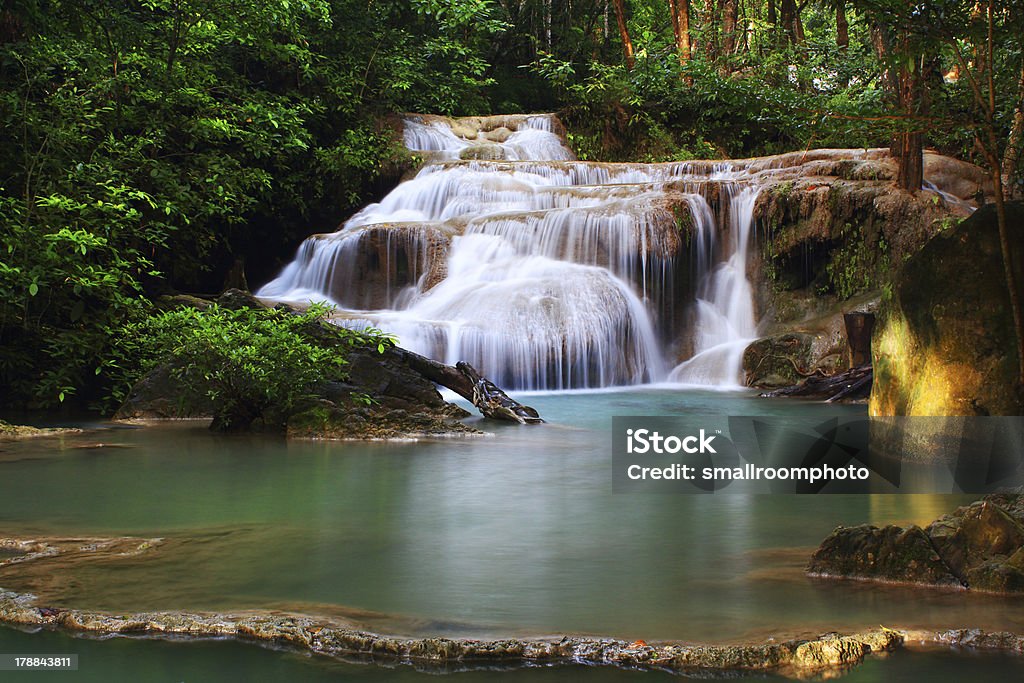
(158, 146)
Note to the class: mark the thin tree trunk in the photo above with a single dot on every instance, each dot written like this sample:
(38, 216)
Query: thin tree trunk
(791, 21)
(728, 27)
(681, 28)
(908, 147)
(710, 33)
(627, 43)
(842, 25)
(685, 46)
(1011, 277)
(674, 13)
(1015, 144)
(547, 23)
(909, 152)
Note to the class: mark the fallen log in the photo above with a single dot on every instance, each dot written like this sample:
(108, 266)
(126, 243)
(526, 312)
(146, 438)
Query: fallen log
(851, 384)
(467, 382)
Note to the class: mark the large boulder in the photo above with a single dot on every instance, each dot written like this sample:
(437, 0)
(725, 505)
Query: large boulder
(381, 397)
(832, 228)
(945, 344)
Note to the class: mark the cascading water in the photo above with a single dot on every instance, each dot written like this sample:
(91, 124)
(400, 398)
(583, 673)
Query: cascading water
(724, 321)
(543, 272)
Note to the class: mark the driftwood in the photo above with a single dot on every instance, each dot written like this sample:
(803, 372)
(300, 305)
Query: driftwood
(847, 385)
(465, 381)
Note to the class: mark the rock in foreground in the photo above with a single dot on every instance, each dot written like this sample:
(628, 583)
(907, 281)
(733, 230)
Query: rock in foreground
(979, 546)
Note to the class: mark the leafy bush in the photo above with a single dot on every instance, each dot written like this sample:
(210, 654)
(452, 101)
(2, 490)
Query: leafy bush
(250, 364)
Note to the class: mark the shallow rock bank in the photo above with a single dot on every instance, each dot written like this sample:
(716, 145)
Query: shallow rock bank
(978, 547)
(322, 636)
(821, 656)
(9, 432)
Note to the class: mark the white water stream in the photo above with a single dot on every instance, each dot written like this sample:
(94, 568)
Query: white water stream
(541, 271)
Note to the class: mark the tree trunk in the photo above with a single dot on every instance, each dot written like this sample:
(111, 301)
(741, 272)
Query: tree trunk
(728, 27)
(683, 21)
(710, 33)
(791, 22)
(1011, 276)
(673, 11)
(627, 44)
(909, 152)
(902, 90)
(1015, 144)
(842, 25)
(680, 10)
(908, 146)
(465, 381)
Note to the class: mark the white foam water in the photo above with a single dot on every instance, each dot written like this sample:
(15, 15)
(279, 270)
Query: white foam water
(543, 272)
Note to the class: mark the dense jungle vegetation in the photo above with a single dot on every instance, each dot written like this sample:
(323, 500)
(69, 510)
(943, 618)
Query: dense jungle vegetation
(155, 146)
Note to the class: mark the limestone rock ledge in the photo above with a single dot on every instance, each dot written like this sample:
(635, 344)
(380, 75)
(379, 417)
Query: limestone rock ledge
(797, 659)
(9, 432)
(821, 656)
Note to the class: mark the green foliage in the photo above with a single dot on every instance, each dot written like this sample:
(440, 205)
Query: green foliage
(145, 146)
(248, 363)
(149, 145)
(857, 267)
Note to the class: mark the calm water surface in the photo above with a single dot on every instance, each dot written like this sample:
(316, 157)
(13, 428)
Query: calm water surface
(513, 533)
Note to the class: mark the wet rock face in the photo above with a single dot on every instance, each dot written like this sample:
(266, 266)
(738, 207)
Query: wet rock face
(979, 546)
(831, 229)
(945, 344)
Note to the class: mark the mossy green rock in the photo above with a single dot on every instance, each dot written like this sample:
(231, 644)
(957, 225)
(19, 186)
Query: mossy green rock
(889, 553)
(974, 536)
(978, 546)
(945, 344)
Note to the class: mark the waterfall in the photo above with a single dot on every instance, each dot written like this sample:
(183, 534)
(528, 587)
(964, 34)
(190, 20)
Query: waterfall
(724, 321)
(542, 271)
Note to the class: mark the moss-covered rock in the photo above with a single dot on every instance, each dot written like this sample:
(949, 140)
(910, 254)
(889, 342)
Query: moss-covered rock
(945, 344)
(375, 395)
(978, 546)
(887, 554)
(976, 535)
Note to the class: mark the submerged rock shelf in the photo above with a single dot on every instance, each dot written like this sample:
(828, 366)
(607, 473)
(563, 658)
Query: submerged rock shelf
(798, 658)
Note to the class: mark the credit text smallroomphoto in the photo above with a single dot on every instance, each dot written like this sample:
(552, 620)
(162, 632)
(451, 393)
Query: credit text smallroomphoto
(503, 341)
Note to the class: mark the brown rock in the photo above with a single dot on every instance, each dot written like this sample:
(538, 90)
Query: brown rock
(890, 554)
(970, 536)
